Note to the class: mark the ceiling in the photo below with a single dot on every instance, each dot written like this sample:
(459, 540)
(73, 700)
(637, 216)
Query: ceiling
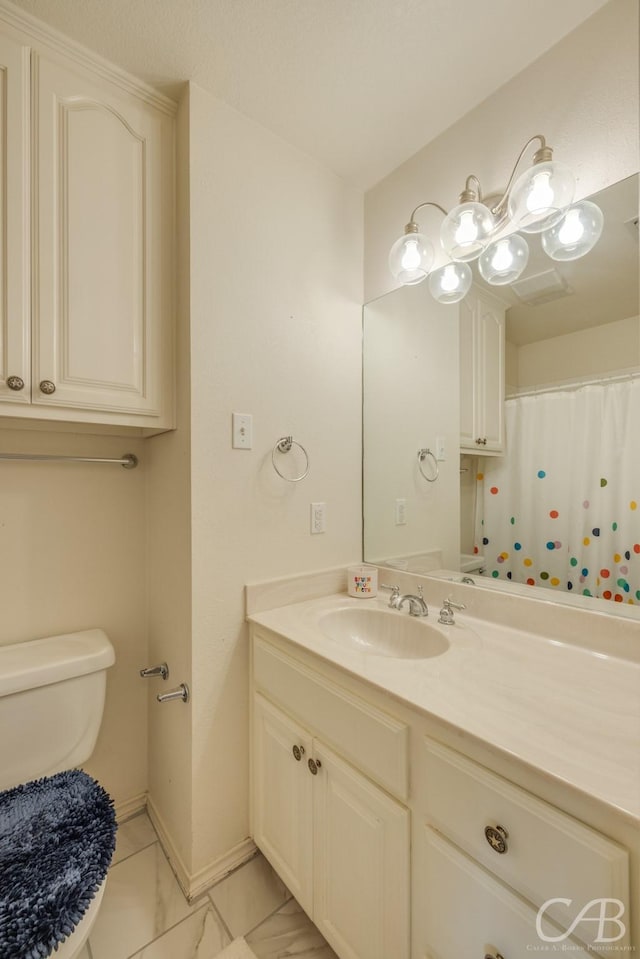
(359, 84)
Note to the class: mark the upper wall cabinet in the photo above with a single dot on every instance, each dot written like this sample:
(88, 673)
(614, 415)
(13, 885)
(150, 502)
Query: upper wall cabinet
(482, 373)
(87, 315)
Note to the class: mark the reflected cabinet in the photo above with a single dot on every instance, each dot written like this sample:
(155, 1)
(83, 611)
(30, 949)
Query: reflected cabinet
(482, 373)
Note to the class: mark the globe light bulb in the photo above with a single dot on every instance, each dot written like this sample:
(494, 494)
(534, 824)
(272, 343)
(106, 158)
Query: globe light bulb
(571, 229)
(466, 231)
(576, 234)
(541, 196)
(502, 258)
(450, 283)
(411, 257)
(505, 260)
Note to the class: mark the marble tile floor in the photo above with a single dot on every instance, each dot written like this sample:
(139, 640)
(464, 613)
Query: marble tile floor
(144, 914)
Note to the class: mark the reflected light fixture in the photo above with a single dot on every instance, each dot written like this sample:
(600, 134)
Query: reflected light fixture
(450, 283)
(538, 201)
(576, 234)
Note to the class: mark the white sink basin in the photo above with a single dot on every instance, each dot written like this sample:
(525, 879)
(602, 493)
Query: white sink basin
(380, 632)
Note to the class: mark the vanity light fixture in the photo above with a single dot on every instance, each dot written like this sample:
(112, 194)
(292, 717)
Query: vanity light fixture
(539, 201)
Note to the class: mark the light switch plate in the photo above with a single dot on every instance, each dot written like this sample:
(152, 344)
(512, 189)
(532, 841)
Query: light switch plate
(242, 431)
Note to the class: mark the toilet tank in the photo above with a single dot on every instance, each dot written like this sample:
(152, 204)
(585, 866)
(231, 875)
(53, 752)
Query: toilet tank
(51, 702)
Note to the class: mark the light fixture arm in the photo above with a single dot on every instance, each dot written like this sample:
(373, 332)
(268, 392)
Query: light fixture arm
(543, 154)
(470, 195)
(412, 226)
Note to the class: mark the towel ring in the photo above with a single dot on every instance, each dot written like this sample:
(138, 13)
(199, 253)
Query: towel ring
(422, 455)
(284, 445)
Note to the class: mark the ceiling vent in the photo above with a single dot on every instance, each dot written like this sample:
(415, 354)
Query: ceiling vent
(541, 288)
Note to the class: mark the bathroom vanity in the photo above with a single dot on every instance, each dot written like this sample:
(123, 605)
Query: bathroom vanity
(430, 804)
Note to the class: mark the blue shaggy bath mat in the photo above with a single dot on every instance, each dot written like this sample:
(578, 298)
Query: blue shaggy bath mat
(57, 837)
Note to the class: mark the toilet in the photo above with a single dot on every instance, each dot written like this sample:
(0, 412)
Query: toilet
(52, 694)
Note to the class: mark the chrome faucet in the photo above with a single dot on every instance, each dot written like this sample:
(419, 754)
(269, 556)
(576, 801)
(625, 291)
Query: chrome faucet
(417, 605)
(446, 613)
(394, 599)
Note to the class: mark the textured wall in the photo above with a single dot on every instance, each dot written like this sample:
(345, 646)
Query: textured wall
(276, 260)
(582, 95)
(72, 557)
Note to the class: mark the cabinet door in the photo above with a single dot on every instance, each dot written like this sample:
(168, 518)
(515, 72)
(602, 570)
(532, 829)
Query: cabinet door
(460, 910)
(282, 798)
(102, 282)
(15, 347)
(482, 371)
(468, 425)
(491, 353)
(361, 863)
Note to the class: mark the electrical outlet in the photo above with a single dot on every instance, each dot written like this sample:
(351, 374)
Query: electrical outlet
(242, 431)
(401, 512)
(318, 517)
(441, 451)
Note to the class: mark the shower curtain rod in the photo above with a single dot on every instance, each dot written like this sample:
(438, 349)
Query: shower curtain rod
(128, 461)
(576, 385)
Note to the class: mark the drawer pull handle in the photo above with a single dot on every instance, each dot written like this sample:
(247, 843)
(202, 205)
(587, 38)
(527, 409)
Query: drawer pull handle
(314, 766)
(497, 837)
(298, 753)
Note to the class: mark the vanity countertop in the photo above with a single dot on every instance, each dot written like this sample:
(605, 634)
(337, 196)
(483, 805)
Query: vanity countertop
(567, 711)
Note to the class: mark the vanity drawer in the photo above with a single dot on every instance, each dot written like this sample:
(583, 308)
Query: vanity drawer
(374, 742)
(462, 912)
(546, 853)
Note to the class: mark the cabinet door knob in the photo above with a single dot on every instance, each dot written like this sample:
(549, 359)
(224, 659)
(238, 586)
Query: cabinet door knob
(298, 753)
(15, 383)
(497, 837)
(47, 387)
(314, 766)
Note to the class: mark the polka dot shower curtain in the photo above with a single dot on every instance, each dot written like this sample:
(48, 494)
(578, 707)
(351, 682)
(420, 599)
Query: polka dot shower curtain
(562, 508)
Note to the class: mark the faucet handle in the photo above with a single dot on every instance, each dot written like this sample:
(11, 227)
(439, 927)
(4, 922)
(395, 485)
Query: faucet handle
(446, 613)
(395, 595)
(452, 605)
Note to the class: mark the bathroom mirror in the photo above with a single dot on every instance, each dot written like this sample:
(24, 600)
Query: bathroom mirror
(422, 513)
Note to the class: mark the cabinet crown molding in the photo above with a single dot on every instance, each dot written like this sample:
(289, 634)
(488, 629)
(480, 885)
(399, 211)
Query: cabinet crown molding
(43, 34)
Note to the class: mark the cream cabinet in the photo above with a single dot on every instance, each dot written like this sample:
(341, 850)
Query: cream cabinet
(495, 870)
(482, 373)
(88, 308)
(338, 841)
(465, 911)
(521, 868)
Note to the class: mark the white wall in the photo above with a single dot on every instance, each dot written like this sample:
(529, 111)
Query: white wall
(72, 557)
(169, 563)
(595, 351)
(582, 95)
(411, 397)
(276, 293)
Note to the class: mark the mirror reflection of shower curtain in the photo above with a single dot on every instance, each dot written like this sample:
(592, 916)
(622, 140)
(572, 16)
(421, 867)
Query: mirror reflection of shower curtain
(561, 509)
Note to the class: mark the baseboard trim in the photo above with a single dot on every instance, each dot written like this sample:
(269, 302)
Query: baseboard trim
(175, 860)
(130, 807)
(194, 885)
(219, 868)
